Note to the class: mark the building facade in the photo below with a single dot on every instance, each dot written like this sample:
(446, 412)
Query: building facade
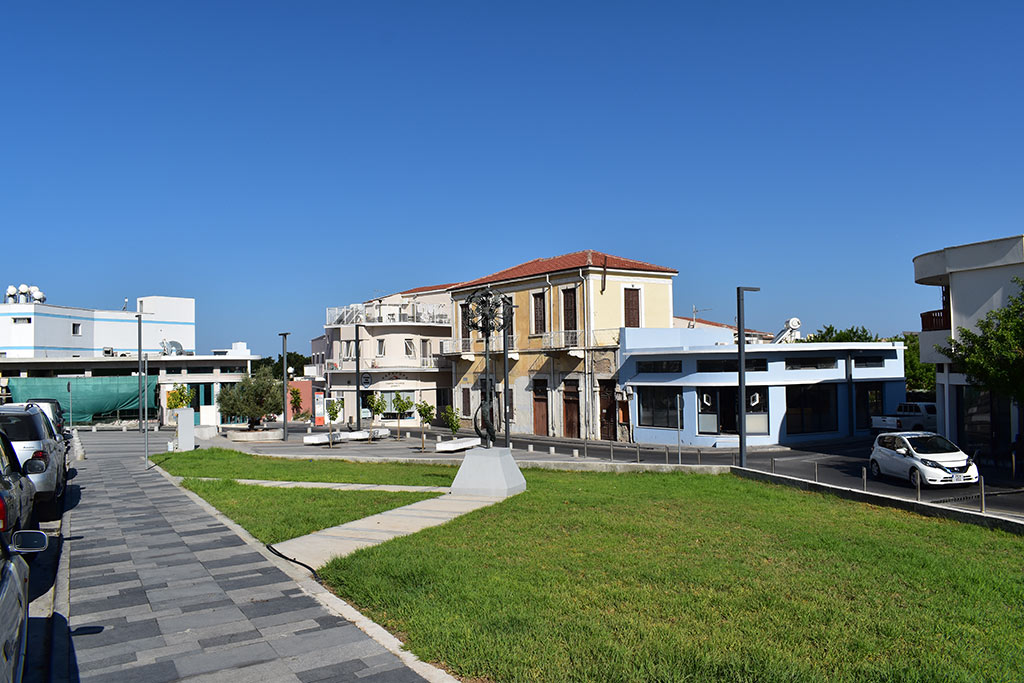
(973, 279)
(682, 387)
(564, 338)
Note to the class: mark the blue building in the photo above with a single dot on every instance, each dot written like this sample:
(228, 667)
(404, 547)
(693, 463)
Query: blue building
(795, 392)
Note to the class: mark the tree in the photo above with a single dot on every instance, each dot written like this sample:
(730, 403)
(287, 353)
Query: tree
(333, 408)
(376, 404)
(253, 398)
(426, 413)
(181, 396)
(295, 398)
(920, 376)
(402, 405)
(993, 357)
(296, 361)
(451, 419)
(850, 334)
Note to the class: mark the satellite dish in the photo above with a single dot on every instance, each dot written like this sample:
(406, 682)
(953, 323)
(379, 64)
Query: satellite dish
(23, 288)
(176, 349)
(793, 323)
(11, 290)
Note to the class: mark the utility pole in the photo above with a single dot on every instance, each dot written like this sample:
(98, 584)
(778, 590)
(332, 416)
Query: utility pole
(284, 388)
(359, 392)
(742, 341)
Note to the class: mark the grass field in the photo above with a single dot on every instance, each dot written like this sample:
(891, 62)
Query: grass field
(655, 577)
(228, 464)
(273, 515)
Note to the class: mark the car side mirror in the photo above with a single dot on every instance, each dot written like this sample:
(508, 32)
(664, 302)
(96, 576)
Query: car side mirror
(29, 541)
(901, 451)
(35, 466)
(67, 435)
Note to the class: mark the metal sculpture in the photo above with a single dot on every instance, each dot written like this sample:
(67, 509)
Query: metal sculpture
(488, 313)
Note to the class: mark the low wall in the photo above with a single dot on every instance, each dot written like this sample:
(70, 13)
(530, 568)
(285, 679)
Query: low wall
(256, 435)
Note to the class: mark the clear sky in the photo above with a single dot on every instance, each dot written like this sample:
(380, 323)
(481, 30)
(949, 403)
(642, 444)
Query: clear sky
(271, 159)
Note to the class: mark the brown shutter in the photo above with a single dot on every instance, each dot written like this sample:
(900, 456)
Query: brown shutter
(569, 309)
(539, 319)
(632, 312)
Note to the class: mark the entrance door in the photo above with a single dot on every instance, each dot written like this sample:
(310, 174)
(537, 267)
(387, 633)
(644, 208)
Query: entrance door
(571, 405)
(540, 407)
(608, 417)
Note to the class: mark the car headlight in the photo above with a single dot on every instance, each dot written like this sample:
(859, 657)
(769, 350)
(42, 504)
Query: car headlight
(932, 463)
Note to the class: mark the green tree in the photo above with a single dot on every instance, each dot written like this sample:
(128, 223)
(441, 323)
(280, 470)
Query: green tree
(253, 398)
(850, 334)
(333, 409)
(376, 404)
(993, 357)
(402, 405)
(181, 396)
(451, 419)
(296, 361)
(426, 413)
(295, 398)
(920, 376)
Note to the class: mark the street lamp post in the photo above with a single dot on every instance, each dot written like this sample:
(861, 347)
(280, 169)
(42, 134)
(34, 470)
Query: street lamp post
(742, 363)
(284, 387)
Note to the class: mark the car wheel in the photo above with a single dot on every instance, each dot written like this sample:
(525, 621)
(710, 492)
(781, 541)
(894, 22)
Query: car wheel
(876, 472)
(915, 478)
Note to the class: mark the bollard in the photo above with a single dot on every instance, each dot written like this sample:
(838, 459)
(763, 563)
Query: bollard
(698, 456)
(511, 445)
(575, 452)
(439, 438)
(981, 486)
(529, 448)
(156, 428)
(1013, 465)
(124, 429)
(638, 454)
(773, 465)
(584, 448)
(864, 477)
(734, 460)
(94, 428)
(666, 455)
(611, 451)
(309, 430)
(551, 450)
(815, 472)
(919, 487)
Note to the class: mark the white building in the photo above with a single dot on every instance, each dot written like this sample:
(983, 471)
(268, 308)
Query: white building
(974, 279)
(91, 356)
(399, 344)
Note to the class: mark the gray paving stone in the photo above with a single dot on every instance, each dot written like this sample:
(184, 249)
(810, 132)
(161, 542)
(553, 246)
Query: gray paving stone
(159, 672)
(243, 655)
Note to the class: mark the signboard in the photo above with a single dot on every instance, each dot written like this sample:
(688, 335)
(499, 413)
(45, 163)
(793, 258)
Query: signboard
(318, 408)
(366, 380)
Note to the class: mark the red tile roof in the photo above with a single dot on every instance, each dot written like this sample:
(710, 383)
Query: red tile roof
(575, 261)
(429, 288)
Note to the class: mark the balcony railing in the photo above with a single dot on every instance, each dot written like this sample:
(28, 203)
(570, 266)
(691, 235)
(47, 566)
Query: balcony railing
(935, 321)
(476, 344)
(370, 314)
(562, 339)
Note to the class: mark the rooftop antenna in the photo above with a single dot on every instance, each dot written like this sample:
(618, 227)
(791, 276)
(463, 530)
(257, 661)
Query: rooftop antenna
(125, 307)
(696, 310)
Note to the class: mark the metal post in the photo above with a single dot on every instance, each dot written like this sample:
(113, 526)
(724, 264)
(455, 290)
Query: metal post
(666, 455)
(71, 406)
(773, 465)
(919, 488)
(638, 454)
(1013, 465)
(584, 448)
(284, 388)
(864, 477)
(815, 472)
(359, 393)
(611, 451)
(139, 317)
(506, 319)
(698, 457)
(145, 369)
(679, 432)
(741, 338)
(981, 487)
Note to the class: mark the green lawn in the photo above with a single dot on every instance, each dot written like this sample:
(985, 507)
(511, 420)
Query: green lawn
(664, 577)
(273, 515)
(229, 464)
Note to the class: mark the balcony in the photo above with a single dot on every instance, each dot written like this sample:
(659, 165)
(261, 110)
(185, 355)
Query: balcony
(470, 345)
(384, 314)
(935, 321)
(562, 339)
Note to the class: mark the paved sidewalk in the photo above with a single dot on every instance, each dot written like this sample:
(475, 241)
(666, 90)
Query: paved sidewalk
(162, 591)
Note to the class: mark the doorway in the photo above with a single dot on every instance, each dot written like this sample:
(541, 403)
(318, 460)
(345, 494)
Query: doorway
(609, 427)
(540, 407)
(571, 408)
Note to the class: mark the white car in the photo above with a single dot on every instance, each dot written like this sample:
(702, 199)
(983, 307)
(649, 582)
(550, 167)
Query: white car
(33, 438)
(921, 457)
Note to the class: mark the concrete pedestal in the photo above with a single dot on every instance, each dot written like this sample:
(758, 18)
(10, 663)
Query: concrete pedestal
(489, 472)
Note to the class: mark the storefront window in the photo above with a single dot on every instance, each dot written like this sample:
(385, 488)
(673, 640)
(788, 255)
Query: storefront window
(657, 406)
(811, 409)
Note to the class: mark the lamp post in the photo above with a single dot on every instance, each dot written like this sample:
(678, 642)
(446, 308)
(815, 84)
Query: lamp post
(742, 362)
(139, 317)
(284, 387)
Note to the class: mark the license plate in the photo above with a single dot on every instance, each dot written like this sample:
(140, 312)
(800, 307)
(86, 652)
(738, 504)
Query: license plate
(958, 477)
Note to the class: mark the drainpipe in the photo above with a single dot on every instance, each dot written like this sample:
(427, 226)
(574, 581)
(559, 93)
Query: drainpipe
(554, 375)
(586, 353)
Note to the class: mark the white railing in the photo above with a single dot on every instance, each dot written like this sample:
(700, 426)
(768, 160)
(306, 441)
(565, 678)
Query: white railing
(434, 314)
(457, 345)
(562, 339)
(476, 344)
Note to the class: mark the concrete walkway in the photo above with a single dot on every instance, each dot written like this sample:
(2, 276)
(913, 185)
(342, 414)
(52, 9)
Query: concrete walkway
(272, 483)
(317, 548)
(161, 590)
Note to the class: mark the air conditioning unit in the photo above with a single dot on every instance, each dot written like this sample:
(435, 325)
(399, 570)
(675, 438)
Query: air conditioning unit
(108, 351)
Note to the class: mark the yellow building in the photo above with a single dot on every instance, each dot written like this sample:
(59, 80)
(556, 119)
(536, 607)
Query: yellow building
(563, 350)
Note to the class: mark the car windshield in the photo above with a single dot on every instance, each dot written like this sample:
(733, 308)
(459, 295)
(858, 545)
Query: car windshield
(933, 443)
(20, 427)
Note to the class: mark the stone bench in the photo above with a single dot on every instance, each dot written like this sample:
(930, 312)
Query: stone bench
(457, 444)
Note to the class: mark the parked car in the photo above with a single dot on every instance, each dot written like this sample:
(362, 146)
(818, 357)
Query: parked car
(921, 457)
(33, 437)
(17, 492)
(916, 416)
(51, 407)
(14, 599)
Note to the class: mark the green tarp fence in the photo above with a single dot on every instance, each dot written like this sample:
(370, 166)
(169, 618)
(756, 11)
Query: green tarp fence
(90, 396)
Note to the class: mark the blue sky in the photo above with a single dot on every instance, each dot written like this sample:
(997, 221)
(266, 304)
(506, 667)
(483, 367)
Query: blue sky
(271, 159)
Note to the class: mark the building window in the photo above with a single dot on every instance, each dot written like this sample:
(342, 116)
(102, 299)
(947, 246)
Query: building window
(425, 348)
(732, 365)
(410, 348)
(656, 406)
(76, 329)
(232, 369)
(811, 363)
(718, 410)
(660, 366)
(380, 348)
(868, 362)
(870, 402)
(22, 321)
(540, 324)
(350, 350)
(631, 307)
(811, 408)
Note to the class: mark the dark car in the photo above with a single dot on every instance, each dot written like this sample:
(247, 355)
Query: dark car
(17, 492)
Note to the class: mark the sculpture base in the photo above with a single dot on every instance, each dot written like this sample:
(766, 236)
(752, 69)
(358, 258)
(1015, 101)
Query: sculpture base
(489, 472)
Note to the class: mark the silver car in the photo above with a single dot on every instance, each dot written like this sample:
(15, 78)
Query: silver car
(17, 492)
(33, 437)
